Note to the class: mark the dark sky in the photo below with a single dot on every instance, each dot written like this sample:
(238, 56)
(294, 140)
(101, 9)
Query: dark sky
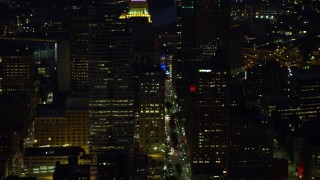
(162, 11)
(164, 14)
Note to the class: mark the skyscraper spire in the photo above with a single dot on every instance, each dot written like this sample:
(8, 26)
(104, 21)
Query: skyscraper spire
(137, 8)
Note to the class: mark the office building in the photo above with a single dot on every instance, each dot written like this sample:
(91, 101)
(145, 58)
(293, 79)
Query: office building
(251, 140)
(202, 74)
(62, 126)
(207, 119)
(40, 162)
(72, 170)
(150, 132)
(202, 29)
(77, 122)
(78, 51)
(309, 165)
(16, 70)
(49, 126)
(268, 79)
(111, 93)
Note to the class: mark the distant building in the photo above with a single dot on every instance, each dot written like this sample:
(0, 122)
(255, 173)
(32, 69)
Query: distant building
(302, 101)
(79, 29)
(40, 162)
(207, 117)
(63, 65)
(63, 126)
(251, 140)
(50, 126)
(201, 78)
(306, 88)
(17, 70)
(150, 128)
(20, 178)
(303, 148)
(268, 79)
(128, 166)
(72, 170)
(77, 122)
(4, 166)
(111, 92)
(309, 168)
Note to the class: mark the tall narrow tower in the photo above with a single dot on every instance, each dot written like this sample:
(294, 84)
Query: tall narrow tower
(202, 78)
(202, 31)
(111, 93)
(78, 52)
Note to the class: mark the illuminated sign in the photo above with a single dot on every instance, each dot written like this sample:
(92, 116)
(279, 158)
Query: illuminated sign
(204, 70)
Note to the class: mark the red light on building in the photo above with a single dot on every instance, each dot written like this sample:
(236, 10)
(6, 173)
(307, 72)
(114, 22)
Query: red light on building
(300, 170)
(193, 88)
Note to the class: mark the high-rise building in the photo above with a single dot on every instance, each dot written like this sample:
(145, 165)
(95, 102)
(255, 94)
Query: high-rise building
(202, 28)
(202, 33)
(18, 87)
(202, 74)
(62, 126)
(111, 93)
(16, 70)
(79, 49)
(49, 126)
(206, 118)
(40, 161)
(150, 128)
(149, 81)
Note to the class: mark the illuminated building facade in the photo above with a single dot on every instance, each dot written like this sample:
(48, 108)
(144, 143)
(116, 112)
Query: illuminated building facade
(49, 126)
(151, 124)
(303, 99)
(111, 93)
(79, 49)
(40, 162)
(16, 71)
(202, 77)
(306, 87)
(60, 126)
(207, 119)
(137, 8)
(202, 29)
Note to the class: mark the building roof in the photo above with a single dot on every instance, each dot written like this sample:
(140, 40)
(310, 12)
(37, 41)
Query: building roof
(137, 8)
(53, 151)
(8, 48)
(307, 74)
(77, 103)
(50, 110)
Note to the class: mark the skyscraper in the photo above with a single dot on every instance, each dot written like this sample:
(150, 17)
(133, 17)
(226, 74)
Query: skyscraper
(111, 94)
(16, 70)
(202, 28)
(202, 31)
(150, 128)
(202, 75)
(149, 81)
(206, 118)
(78, 52)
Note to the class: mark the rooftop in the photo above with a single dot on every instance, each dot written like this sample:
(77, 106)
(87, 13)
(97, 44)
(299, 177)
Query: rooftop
(50, 110)
(53, 151)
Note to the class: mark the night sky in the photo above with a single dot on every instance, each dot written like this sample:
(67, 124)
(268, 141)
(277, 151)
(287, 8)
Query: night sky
(162, 11)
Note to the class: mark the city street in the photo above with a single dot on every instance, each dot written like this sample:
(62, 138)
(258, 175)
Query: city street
(176, 160)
